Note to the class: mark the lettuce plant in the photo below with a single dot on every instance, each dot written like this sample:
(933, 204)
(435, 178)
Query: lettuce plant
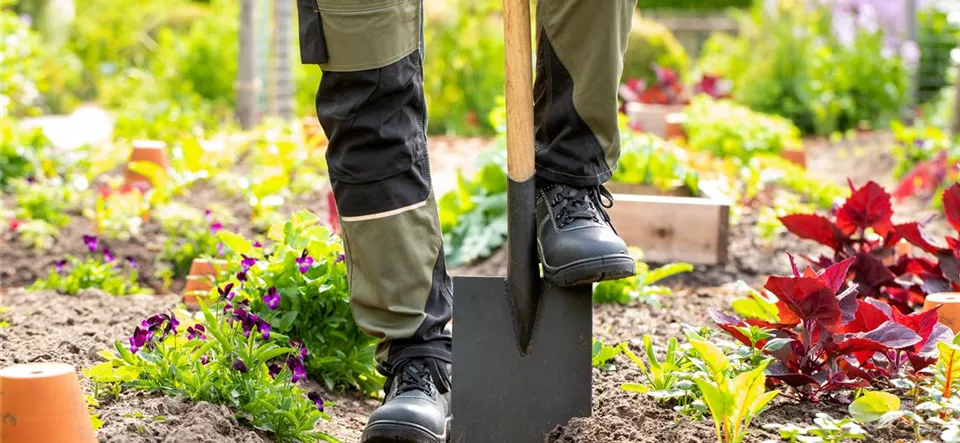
(101, 270)
(640, 287)
(47, 200)
(602, 354)
(734, 403)
(230, 357)
(298, 285)
(473, 217)
(825, 429)
(646, 159)
(727, 129)
(834, 341)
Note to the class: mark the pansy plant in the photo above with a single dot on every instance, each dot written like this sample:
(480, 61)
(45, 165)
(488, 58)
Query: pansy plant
(227, 357)
(100, 270)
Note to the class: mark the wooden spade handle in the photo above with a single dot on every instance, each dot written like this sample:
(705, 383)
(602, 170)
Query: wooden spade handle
(519, 86)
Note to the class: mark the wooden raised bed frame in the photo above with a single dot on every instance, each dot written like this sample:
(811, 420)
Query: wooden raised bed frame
(674, 227)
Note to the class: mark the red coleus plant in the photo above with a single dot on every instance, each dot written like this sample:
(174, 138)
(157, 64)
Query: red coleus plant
(926, 177)
(862, 228)
(948, 255)
(829, 339)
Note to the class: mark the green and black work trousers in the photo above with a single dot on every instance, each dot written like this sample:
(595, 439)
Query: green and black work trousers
(371, 105)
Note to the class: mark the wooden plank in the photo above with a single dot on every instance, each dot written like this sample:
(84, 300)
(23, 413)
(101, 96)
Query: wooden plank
(668, 229)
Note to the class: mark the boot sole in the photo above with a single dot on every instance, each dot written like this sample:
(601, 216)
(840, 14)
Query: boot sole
(592, 270)
(402, 432)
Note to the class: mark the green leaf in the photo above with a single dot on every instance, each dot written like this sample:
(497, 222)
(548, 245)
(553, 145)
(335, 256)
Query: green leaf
(713, 356)
(666, 271)
(236, 242)
(872, 405)
(635, 387)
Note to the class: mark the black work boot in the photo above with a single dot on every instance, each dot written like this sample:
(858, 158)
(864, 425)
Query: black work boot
(416, 408)
(576, 240)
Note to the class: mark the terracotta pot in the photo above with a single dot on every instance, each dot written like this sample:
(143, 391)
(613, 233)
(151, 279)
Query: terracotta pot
(795, 156)
(43, 403)
(651, 118)
(145, 151)
(203, 274)
(949, 303)
(674, 128)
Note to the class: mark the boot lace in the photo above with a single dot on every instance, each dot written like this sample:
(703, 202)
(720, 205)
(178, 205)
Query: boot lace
(571, 203)
(424, 375)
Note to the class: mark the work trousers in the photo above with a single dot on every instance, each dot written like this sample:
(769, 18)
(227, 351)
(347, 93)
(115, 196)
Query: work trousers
(371, 105)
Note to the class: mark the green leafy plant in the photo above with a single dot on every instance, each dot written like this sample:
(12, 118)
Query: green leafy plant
(46, 200)
(602, 354)
(775, 170)
(826, 429)
(787, 60)
(104, 272)
(120, 214)
(473, 217)
(727, 129)
(646, 159)
(229, 356)
(662, 377)
(37, 234)
(301, 290)
(191, 234)
(641, 287)
(652, 43)
(734, 403)
(463, 83)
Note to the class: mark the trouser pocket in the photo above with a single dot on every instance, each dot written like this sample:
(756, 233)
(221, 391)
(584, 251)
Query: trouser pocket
(313, 46)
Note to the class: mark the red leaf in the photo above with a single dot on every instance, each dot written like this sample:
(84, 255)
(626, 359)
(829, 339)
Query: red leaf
(868, 318)
(951, 205)
(730, 324)
(835, 275)
(866, 207)
(871, 273)
(808, 298)
(814, 227)
(912, 233)
(922, 323)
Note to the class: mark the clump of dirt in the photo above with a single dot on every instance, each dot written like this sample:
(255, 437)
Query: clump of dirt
(144, 418)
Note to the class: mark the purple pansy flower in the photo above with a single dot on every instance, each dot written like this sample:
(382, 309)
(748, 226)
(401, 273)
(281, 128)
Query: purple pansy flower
(340, 258)
(132, 262)
(257, 245)
(208, 214)
(299, 344)
(297, 370)
(91, 242)
(196, 332)
(215, 227)
(60, 264)
(139, 338)
(274, 370)
(315, 397)
(264, 329)
(304, 262)
(242, 276)
(108, 256)
(272, 298)
(247, 262)
(240, 366)
(226, 292)
(204, 359)
(220, 249)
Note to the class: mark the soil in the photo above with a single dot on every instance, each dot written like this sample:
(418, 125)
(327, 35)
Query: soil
(45, 326)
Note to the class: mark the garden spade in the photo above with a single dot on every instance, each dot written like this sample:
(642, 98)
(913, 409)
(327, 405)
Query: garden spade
(521, 348)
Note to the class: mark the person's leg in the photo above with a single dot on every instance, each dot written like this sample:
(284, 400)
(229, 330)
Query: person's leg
(371, 105)
(580, 48)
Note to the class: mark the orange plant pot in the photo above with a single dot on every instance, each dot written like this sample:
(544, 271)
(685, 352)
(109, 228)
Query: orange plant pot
(43, 403)
(795, 156)
(674, 129)
(200, 281)
(949, 303)
(145, 151)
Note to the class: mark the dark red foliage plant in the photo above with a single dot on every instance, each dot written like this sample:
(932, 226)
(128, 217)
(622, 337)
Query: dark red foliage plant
(862, 228)
(829, 340)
